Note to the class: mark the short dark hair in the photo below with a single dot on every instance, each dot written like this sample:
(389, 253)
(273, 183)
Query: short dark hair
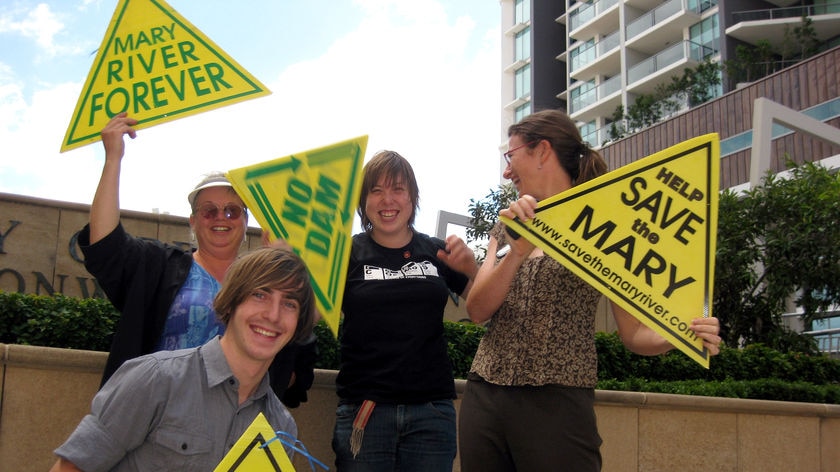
(394, 168)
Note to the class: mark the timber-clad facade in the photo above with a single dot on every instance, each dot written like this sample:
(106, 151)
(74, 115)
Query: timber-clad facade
(811, 83)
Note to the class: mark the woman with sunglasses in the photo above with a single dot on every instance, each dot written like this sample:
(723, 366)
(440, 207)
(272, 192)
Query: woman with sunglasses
(164, 292)
(529, 398)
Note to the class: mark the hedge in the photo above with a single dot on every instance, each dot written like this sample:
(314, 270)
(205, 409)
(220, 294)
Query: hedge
(755, 371)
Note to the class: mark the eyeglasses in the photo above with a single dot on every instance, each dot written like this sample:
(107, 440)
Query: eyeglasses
(210, 210)
(510, 151)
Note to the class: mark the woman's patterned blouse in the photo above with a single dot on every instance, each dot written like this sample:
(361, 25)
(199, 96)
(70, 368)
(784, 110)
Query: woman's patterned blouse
(544, 331)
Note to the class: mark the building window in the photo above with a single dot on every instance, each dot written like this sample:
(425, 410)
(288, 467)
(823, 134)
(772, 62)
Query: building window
(589, 133)
(582, 96)
(522, 11)
(825, 332)
(701, 5)
(583, 54)
(523, 81)
(704, 42)
(522, 111)
(523, 44)
(705, 35)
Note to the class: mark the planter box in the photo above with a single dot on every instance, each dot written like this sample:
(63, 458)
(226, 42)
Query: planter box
(46, 391)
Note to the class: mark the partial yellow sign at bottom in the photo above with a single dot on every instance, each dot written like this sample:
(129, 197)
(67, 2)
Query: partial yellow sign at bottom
(254, 451)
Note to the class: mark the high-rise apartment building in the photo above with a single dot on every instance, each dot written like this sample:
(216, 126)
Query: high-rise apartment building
(591, 57)
(613, 51)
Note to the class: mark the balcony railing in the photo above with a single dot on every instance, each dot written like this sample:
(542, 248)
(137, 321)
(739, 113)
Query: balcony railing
(829, 344)
(588, 13)
(588, 54)
(658, 15)
(673, 54)
(828, 341)
(668, 108)
(596, 94)
(787, 12)
(597, 138)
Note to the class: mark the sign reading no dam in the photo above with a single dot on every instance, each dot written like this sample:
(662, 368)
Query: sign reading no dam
(309, 200)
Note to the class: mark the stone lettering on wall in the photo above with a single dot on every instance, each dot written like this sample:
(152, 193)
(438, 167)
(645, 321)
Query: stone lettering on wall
(3, 235)
(40, 253)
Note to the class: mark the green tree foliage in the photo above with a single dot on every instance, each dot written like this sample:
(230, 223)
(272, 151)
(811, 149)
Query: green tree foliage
(462, 341)
(57, 321)
(777, 240)
(485, 212)
(695, 86)
(800, 42)
(617, 129)
(646, 110)
(751, 62)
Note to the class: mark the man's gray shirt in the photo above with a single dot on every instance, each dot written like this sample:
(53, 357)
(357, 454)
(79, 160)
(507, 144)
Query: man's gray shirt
(171, 410)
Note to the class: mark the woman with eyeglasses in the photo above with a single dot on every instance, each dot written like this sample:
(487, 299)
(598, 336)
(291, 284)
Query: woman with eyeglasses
(165, 292)
(529, 398)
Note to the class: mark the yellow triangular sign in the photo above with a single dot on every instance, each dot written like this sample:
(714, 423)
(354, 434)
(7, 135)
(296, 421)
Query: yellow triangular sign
(644, 235)
(308, 199)
(254, 451)
(156, 66)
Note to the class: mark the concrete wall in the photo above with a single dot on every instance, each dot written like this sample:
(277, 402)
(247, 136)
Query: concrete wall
(39, 253)
(46, 391)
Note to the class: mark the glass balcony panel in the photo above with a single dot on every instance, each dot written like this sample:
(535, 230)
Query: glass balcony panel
(587, 13)
(581, 16)
(598, 137)
(610, 86)
(666, 57)
(589, 53)
(608, 43)
(583, 100)
(594, 95)
(583, 55)
(653, 17)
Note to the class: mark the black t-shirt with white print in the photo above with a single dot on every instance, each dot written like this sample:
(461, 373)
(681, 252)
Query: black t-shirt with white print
(392, 344)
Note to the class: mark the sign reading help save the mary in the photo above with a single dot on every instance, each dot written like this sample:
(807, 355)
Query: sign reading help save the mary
(644, 235)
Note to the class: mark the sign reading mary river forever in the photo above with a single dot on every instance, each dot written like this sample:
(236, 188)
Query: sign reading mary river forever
(156, 66)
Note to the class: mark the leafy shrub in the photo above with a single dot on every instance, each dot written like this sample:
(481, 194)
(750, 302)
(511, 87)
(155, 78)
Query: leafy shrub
(328, 348)
(761, 389)
(462, 340)
(755, 361)
(753, 372)
(57, 321)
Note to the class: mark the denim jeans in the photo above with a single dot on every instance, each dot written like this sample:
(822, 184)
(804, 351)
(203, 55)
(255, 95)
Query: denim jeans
(406, 438)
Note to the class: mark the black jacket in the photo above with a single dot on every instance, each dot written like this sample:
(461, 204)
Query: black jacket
(141, 277)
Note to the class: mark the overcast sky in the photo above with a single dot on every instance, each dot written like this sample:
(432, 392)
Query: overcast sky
(421, 77)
